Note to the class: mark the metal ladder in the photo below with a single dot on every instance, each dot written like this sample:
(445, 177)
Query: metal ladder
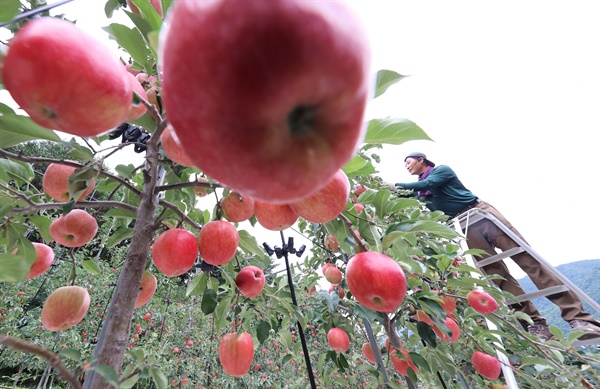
(475, 215)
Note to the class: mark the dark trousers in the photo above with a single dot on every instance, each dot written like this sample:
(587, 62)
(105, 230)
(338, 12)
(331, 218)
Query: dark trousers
(485, 235)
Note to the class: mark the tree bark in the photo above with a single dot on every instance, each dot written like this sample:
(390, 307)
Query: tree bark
(114, 336)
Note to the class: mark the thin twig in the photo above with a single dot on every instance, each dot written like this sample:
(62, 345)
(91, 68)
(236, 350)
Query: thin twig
(52, 358)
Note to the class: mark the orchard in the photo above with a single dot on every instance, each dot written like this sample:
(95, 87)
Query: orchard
(250, 117)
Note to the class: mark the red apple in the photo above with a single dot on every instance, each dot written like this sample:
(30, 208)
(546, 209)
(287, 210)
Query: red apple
(327, 203)
(44, 257)
(327, 266)
(173, 149)
(155, 3)
(237, 207)
(147, 316)
(236, 352)
(147, 289)
(449, 304)
(268, 97)
(74, 229)
(174, 252)
(376, 281)
(274, 217)
(218, 242)
(360, 189)
(333, 275)
(338, 340)
(486, 365)
(422, 316)
(358, 208)
(136, 111)
(201, 191)
(341, 292)
(66, 79)
(453, 326)
(250, 281)
(402, 364)
(330, 242)
(482, 302)
(56, 182)
(367, 351)
(65, 307)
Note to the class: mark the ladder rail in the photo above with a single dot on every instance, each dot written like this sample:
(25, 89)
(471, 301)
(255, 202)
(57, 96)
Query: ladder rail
(481, 214)
(509, 375)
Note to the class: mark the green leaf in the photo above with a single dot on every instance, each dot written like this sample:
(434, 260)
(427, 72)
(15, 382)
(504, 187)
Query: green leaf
(108, 373)
(131, 40)
(385, 79)
(197, 285)
(80, 180)
(5, 109)
(159, 378)
(70, 353)
(426, 333)
(125, 171)
(248, 243)
(43, 225)
(9, 9)
(91, 266)
(15, 129)
(110, 7)
(262, 331)
(354, 165)
(81, 153)
(393, 131)
(209, 301)
(13, 170)
(118, 236)
(15, 267)
(120, 213)
(149, 13)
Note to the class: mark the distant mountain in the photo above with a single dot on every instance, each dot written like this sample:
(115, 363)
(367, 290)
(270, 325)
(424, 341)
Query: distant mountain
(584, 274)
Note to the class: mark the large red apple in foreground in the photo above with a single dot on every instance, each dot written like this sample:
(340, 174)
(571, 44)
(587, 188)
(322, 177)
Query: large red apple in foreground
(327, 203)
(147, 289)
(66, 79)
(65, 307)
(482, 302)
(44, 257)
(174, 252)
(267, 97)
(250, 281)
(486, 365)
(274, 217)
(376, 281)
(237, 207)
(56, 182)
(236, 353)
(338, 340)
(74, 229)
(218, 242)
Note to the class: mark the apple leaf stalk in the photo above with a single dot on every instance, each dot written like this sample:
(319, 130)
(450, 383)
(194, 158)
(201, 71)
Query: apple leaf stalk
(113, 339)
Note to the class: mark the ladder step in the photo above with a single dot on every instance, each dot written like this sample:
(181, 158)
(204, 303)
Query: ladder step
(499, 257)
(540, 293)
(586, 342)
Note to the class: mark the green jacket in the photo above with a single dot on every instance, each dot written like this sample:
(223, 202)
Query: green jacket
(448, 194)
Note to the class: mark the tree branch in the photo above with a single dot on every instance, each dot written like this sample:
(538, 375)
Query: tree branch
(353, 232)
(52, 358)
(80, 204)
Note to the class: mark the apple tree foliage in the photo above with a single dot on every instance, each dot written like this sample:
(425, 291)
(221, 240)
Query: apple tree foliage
(173, 340)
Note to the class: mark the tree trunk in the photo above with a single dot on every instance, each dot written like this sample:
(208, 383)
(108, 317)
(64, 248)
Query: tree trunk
(114, 336)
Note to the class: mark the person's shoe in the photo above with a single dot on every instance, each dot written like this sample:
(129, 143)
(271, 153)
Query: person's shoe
(541, 331)
(592, 330)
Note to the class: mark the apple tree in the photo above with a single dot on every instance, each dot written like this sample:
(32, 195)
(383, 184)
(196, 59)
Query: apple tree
(241, 120)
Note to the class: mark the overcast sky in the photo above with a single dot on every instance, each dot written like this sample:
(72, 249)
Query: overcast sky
(508, 90)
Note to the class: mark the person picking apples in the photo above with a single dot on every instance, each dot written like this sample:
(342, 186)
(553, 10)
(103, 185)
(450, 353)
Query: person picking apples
(440, 187)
